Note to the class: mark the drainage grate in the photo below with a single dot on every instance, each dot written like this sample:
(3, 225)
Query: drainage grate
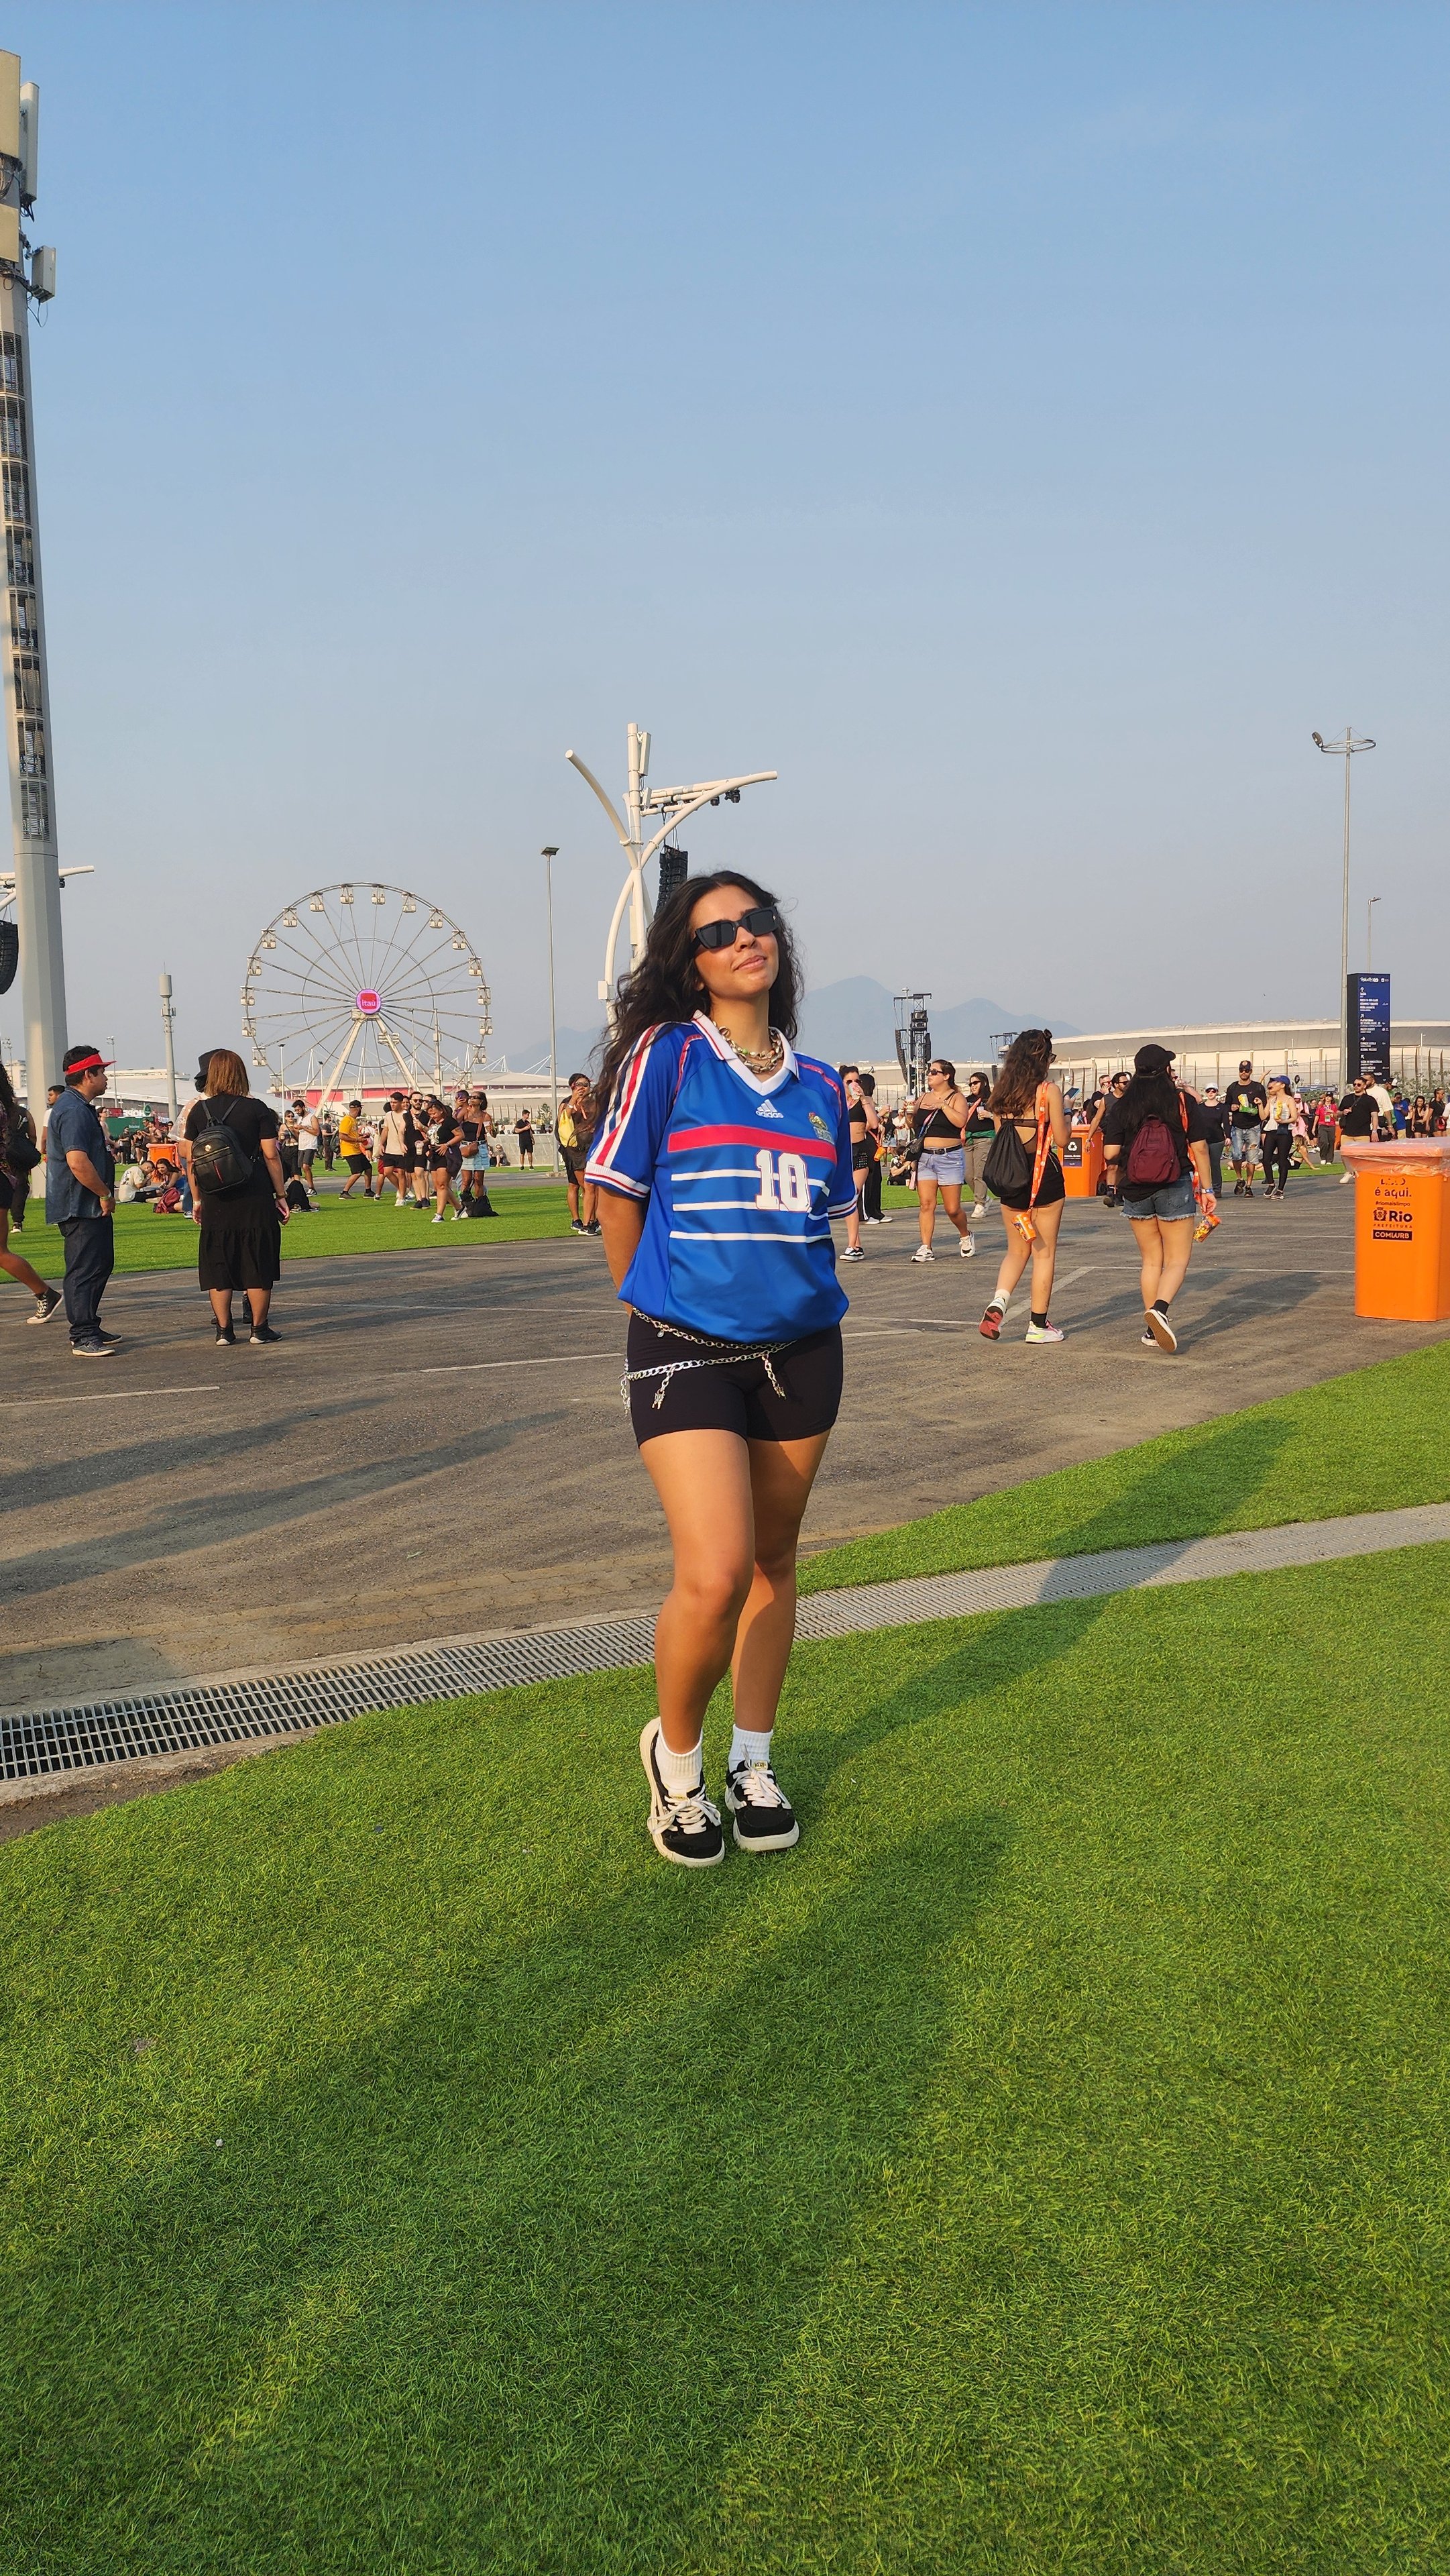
(201, 1713)
(226, 1712)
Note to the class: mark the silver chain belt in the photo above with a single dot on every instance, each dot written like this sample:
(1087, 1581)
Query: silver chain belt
(718, 1355)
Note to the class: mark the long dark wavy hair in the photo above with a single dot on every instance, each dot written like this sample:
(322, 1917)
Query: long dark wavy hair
(1023, 1066)
(665, 986)
(1149, 1095)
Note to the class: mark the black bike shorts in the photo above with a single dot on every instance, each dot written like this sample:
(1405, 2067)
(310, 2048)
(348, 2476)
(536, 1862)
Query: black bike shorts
(1053, 1188)
(735, 1395)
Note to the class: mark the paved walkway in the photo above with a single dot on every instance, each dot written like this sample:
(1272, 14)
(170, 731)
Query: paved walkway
(437, 1445)
(41, 1752)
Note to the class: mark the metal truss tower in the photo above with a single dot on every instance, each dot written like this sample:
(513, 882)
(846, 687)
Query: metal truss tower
(25, 274)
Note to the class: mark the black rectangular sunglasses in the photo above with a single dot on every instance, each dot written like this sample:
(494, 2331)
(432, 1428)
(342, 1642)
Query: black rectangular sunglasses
(761, 921)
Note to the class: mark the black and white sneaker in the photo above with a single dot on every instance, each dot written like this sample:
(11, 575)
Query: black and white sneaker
(45, 1307)
(1161, 1330)
(685, 1829)
(765, 1820)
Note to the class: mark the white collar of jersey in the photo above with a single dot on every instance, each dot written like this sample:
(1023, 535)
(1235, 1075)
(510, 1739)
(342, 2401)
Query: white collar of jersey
(727, 1055)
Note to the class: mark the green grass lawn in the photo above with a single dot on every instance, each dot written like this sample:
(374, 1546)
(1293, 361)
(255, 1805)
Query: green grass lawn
(528, 1211)
(1042, 2169)
(1369, 1442)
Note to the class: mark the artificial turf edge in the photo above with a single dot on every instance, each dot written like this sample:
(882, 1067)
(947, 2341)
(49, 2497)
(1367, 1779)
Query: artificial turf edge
(1375, 1439)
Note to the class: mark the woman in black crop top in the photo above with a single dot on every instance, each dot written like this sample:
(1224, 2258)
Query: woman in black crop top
(940, 1121)
(1022, 1097)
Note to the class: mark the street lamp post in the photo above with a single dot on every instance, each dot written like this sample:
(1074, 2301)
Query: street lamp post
(1344, 749)
(549, 854)
(1369, 932)
(641, 804)
(168, 1026)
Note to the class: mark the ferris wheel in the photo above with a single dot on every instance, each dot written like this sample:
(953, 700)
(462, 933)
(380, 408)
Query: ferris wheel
(366, 981)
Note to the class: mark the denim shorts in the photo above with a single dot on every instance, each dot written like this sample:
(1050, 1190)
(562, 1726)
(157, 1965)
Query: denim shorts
(1175, 1199)
(1243, 1144)
(948, 1162)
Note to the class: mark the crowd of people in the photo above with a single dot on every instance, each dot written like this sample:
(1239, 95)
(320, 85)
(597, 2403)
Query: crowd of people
(953, 1144)
(941, 1143)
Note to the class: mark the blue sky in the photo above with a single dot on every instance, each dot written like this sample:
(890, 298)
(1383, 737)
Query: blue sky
(1018, 425)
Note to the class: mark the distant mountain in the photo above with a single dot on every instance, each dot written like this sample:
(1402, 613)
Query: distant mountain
(857, 1018)
(852, 1018)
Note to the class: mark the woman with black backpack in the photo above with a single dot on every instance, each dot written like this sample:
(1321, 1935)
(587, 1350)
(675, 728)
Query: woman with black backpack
(1023, 1170)
(1154, 1142)
(239, 1194)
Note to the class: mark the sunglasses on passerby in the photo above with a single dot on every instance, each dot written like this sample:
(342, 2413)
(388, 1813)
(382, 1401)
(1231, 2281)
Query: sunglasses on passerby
(762, 921)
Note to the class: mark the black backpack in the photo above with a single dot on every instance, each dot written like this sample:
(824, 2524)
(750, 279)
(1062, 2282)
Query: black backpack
(1008, 1165)
(19, 1151)
(219, 1159)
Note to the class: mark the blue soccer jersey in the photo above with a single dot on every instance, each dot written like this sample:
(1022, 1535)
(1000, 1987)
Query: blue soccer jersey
(741, 1177)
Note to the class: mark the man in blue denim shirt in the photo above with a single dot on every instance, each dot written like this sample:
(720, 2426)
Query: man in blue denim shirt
(79, 1172)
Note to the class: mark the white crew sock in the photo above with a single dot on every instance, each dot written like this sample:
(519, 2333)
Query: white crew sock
(745, 1747)
(680, 1772)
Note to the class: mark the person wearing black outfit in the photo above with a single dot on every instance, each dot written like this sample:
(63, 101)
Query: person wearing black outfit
(1245, 1105)
(1215, 1135)
(17, 1161)
(240, 1243)
(1359, 1118)
(1153, 1143)
(871, 1184)
(1277, 1133)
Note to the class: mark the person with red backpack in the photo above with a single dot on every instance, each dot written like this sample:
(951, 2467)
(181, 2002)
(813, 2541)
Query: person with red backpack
(1155, 1146)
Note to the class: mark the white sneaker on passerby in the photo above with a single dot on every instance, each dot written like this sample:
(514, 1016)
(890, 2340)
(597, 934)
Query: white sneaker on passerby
(978, 1208)
(923, 1252)
(968, 1248)
(1044, 1333)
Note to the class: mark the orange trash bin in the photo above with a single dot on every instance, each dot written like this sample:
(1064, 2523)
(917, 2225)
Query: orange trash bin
(1402, 1229)
(1082, 1161)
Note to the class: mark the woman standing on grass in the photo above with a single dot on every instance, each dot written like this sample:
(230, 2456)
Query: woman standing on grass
(720, 1160)
(1153, 1139)
(1024, 1101)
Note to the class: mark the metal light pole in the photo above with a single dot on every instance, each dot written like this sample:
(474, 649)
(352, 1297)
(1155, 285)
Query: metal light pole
(675, 805)
(168, 1023)
(549, 854)
(26, 685)
(1369, 932)
(1344, 750)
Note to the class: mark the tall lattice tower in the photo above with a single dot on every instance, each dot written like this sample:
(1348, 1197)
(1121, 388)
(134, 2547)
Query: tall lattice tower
(27, 274)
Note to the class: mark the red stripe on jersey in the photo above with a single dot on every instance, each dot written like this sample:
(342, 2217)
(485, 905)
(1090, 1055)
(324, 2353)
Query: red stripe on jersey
(687, 1139)
(626, 1087)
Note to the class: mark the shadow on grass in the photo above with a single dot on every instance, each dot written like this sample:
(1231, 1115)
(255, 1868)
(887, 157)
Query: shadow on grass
(1188, 1494)
(497, 2285)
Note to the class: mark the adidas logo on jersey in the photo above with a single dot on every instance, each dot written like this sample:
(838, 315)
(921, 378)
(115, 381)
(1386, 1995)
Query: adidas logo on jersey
(767, 1109)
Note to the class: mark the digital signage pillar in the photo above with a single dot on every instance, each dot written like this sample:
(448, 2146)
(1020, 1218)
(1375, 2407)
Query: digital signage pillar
(1369, 1027)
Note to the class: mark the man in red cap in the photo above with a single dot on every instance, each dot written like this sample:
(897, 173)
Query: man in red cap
(79, 1172)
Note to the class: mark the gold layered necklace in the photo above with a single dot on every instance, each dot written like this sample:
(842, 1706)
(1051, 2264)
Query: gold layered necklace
(760, 1061)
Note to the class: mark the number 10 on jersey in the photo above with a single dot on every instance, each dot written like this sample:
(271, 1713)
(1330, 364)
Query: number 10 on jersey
(784, 1181)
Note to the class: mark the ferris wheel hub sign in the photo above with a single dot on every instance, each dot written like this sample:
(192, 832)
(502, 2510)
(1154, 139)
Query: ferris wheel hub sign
(369, 1004)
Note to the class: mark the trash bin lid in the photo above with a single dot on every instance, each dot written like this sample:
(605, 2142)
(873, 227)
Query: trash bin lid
(1401, 1154)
